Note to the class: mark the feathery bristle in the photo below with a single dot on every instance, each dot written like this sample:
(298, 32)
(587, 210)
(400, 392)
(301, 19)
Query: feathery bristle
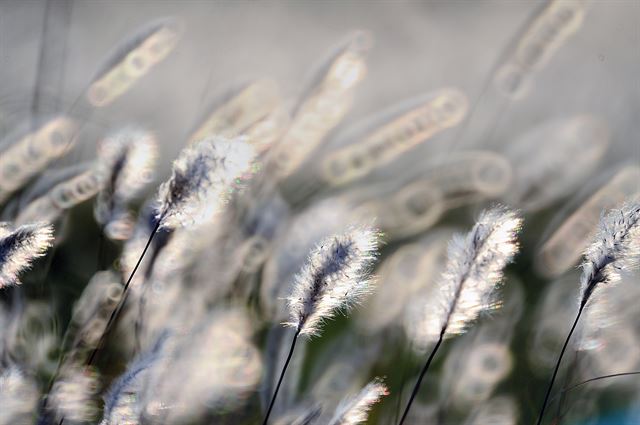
(475, 266)
(615, 249)
(19, 247)
(203, 177)
(355, 410)
(335, 277)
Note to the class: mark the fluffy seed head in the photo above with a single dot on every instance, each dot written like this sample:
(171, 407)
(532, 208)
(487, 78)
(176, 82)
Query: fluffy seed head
(474, 268)
(19, 247)
(615, 249)
(355, 410)
(335, 277)
(203, 177)
(128, 158)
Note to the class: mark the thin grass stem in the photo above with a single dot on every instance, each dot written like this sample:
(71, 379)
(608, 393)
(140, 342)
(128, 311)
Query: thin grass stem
(284, 369)
(416, 388)
(555, 371)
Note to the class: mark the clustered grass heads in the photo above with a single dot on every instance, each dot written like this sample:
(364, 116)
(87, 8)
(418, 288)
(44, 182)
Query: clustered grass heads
(20, 247)
(474, 268)
(202, 178)
(355, 410)
(335, 277)
(615, 250)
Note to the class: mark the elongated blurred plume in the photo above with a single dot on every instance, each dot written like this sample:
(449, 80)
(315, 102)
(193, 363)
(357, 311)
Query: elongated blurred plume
(335, 277)
(122, 403)
(217, 363)
(73, 396)
(475, 266)
(18, 397)
(20, 247)
(615, 249)
(128, 157)
(355, 410)
(203, 177)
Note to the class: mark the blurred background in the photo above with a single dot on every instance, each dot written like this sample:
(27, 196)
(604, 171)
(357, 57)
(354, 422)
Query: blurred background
(417, 114)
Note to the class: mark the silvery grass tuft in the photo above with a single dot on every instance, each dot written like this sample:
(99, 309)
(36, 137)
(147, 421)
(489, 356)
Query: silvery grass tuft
(355, 410)
(615, 249)
(467, 287)
(203, 177)
(20, 247)
(335, 277)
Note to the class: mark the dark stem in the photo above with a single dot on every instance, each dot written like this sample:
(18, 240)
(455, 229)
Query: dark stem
(416, 388)
(284, 369)
(579, 384)
(123, 298)
(568, 378)
(555, 371)
(142, 301)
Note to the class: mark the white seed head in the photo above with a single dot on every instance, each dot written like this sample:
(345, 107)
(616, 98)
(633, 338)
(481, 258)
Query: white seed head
(355, 410)
(20, 247)
(614, 250)
(128, 158)
(203, 177)
(335, 277)
(467, 287)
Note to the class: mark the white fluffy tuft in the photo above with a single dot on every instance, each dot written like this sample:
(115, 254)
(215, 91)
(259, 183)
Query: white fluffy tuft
(203, 177)
(355, 410)
(20, 247)
(615, 250)
(335, 277)
(474, 268)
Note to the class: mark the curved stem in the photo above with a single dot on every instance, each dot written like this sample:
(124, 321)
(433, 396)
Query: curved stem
(555, 371)
(422, 374)
(284, 369)
(597, 378)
